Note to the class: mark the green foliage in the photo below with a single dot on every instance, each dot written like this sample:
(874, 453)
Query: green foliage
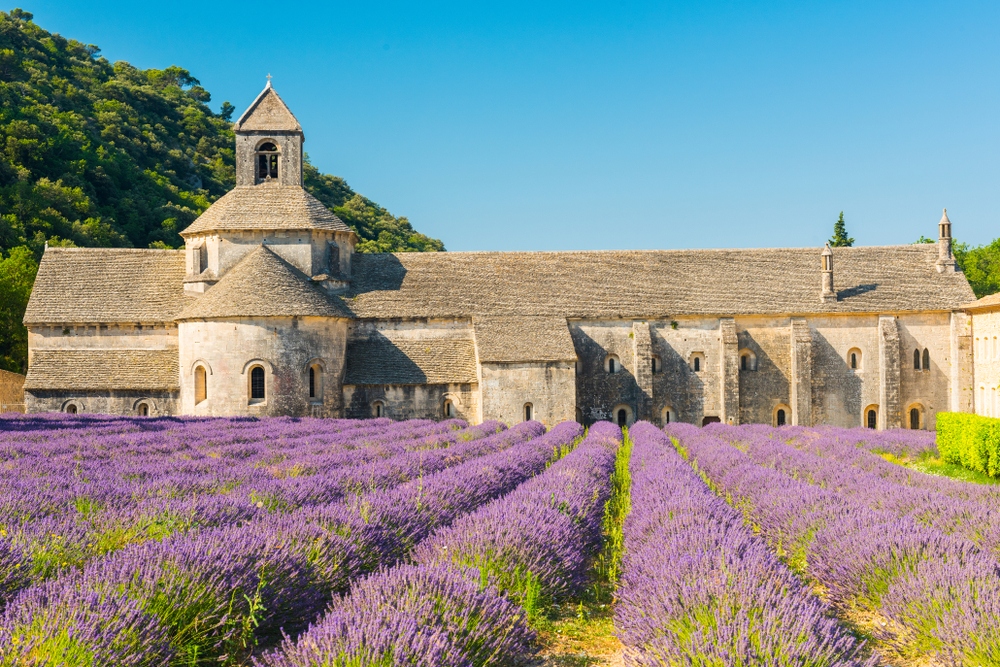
(17, 275)
(840, 238)
(981, 264)
(619, 505)
(970, 440)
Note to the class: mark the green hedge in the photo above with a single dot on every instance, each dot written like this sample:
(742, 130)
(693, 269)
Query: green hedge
(970, 440)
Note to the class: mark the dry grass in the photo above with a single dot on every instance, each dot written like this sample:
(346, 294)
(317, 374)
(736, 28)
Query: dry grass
(579, 634)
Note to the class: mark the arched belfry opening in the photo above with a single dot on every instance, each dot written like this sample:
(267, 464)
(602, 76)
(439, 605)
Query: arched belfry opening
(267, 162)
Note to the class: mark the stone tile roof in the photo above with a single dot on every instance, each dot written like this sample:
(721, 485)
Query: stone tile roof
(268, 112)
(433, 361)
(107, 369)
(515, 339)
(103, 285)
(263, 284)
(651, 283)
(266, 207)
(988, 301)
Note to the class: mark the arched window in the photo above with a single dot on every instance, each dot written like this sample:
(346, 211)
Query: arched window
(143, 410)
(200, 385)
(748, 360)
(449, 409)
(780, 417)
(71, 409)
(780, 414)
(914, 419)
(916, 360)
(612, 364)
(743, 363)
(854, 359)
(257, 387)
(668, 415)
(697, 364)
(657, 364)
(316, 382)
(267, 161)
(927, 359)
(871, 417)
(527, 412)
(378, 409)
(621, 414)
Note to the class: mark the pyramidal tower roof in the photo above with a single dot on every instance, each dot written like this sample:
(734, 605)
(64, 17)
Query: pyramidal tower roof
(268, 113)
(263, 284)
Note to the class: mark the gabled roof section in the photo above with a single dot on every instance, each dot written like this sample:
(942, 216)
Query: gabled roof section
(107, 285)
(268, 112)
(266, 207)
(262, 284)
(134, 369)
(609, 284)
(523, 339)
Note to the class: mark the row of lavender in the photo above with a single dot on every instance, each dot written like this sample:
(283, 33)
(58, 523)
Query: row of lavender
(474, 585)
(699, 588)
(220, 588)
(67, 500)
(913, 555)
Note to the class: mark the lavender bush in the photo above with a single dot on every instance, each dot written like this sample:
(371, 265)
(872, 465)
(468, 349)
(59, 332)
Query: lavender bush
(699, 588)
(535, 543)
(895, 552)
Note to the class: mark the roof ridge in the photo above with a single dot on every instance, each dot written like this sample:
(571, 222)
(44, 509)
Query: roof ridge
(817, 249)
(130, 250)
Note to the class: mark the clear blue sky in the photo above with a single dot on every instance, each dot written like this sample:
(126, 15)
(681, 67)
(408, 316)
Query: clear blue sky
(558, 126)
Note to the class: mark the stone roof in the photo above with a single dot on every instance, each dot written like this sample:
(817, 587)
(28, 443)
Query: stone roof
(988, 301)
(103, 369)
(516, 339)
(103, 285)
(434, 361)
(263, 284)
(268, 112)
(651, 283)
(266, 207)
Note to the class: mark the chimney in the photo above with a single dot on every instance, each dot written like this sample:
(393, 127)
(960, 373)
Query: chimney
(946, 260)
(828, 295)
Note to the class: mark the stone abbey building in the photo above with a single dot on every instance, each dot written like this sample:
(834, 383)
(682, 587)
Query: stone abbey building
(269, 311)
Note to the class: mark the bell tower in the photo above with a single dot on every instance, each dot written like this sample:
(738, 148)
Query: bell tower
(268, 143)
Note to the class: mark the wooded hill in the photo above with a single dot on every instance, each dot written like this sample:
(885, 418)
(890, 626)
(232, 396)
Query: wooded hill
(104, 154)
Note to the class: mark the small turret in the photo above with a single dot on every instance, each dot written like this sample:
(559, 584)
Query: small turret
(828, 295)
(946, 260)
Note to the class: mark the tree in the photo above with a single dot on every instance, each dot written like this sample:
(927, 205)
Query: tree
(17, 274)
(840, 238)
(227, 111)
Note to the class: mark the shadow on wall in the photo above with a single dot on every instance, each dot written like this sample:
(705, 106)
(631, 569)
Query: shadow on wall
(856, 291)
(839, 386)
(375, 272)
(762, 385)
(378, 360)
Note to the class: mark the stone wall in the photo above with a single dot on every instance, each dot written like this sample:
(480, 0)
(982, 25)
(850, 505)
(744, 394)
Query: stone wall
(413, 401)
(840, 393)
(289, 161)
(284, 346)
(549, 387)
(766, 388)
(160, 403)
(927, 390)
(103, 337)
(306, 250)
(986, 351)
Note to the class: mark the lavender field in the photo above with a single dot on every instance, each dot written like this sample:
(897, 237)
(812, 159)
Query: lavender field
(341, 543)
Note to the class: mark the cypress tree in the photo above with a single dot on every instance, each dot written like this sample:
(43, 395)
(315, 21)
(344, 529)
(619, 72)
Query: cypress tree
(840, 238)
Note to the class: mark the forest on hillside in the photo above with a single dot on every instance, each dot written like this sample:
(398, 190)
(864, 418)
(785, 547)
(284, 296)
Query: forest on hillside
(95, 153)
